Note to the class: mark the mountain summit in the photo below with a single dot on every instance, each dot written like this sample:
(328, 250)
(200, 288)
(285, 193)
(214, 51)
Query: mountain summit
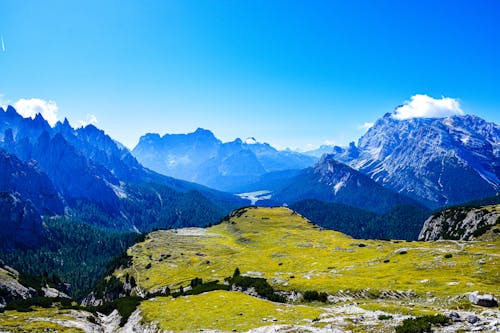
(438, 161)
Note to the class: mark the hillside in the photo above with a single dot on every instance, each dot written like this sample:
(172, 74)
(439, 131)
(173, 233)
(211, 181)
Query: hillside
(331, 181)
(362, 279)
(401, 222)
(259, 239)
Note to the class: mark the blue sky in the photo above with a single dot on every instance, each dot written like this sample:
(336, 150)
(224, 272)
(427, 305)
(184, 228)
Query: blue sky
(291, 73)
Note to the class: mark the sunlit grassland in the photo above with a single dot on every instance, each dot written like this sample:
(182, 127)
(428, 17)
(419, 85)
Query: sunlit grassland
(296, 255)
(38, 320)
(223, 310)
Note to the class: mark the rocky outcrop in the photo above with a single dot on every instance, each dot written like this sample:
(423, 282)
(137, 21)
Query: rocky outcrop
(460, 223)
(10, 288)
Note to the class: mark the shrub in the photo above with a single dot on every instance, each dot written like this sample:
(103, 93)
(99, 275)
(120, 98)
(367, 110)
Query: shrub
(25, 305)
(384, 317)
(261, 286)
(313, 295)
(422, 324)
(132, 282)
(203, 288)
(196, 282)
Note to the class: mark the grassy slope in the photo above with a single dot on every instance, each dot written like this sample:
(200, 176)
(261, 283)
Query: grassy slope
(279, 244)
(211, 311)
(37, 321)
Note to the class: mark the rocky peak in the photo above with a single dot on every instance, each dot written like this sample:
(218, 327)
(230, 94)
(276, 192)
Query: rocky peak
(426, 157)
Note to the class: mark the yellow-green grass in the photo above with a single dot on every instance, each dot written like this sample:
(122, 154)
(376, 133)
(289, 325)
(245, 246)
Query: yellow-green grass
(492, 208)
(293, 254)
(223, 311)
(36, 321)
(397, 307)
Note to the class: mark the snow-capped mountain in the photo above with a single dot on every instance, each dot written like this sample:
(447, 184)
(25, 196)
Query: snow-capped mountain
(201, 157)
(438, 161)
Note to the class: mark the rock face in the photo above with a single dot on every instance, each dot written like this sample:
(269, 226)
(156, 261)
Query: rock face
(14, 287)
(201, 157)
(10, 288)
(439, 161)
(460, 223)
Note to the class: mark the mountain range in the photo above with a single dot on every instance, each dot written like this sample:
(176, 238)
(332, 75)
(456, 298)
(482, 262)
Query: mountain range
(435, 162)
(424, 163)
(84, 173)
(202, 158)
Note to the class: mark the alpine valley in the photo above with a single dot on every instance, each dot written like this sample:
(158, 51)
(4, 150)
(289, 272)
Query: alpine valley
(399, 232)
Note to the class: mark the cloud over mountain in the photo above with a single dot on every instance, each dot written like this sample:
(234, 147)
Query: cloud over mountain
(423, 106)
(30, 107)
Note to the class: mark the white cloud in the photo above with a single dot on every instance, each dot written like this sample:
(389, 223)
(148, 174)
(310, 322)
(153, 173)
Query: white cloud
(423, 106)
(366, 126)
(30, 107)
(91, 120)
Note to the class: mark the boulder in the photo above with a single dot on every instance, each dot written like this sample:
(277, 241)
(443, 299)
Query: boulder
(472, 319)
(486, 300)
(455, 317)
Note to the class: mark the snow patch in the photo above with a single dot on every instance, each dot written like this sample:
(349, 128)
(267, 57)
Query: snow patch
(341, 183)
(119, 191)
(250, 141)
